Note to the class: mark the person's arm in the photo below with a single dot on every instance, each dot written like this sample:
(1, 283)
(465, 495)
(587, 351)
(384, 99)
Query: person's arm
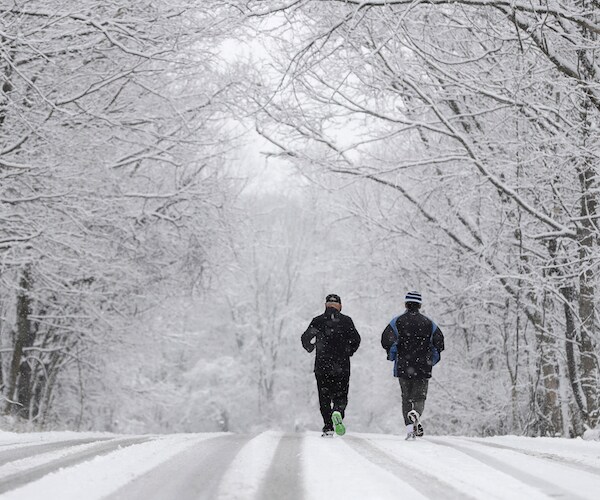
(308, 336)
(438, 339)
(387, 338)
(353, 339)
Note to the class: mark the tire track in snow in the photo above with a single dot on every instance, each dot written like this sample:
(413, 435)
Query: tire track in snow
(427, 484)
(18, 443)
(194, 474)
(550, 489)
(28, 475)
(540, 454)
(21, 452)
(283, 479)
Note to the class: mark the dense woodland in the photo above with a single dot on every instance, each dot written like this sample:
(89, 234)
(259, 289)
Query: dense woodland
(183, 183)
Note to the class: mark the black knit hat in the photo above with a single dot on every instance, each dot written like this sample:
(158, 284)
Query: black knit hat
(332, 297)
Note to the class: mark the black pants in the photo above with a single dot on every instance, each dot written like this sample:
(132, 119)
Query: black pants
(414, 394)
(333, 394)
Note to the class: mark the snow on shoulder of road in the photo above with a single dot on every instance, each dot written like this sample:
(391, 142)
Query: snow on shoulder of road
(577, 449)
(105, 474)
(10, 440)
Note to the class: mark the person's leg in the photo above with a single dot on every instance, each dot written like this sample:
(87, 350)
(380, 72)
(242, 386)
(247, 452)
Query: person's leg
(407, 405)
(323, 386)
(339, 396)
(419, 394)
(339, 393)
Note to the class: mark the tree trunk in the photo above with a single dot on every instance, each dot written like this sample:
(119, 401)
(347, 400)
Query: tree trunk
(548, 420)
(22, 339)
(570, 340)
(587, 234)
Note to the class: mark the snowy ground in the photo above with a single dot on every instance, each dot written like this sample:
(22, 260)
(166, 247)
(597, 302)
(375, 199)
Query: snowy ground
(75, 466)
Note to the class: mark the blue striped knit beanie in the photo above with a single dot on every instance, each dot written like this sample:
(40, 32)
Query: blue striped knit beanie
(413, 297)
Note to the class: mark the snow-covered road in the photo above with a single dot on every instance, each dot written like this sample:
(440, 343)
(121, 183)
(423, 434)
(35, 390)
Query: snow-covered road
(273, 465)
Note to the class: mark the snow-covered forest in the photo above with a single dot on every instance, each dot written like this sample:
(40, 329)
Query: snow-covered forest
(182, 183)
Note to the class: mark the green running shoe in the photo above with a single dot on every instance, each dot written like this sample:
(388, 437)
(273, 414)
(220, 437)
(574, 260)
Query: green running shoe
(336, 419)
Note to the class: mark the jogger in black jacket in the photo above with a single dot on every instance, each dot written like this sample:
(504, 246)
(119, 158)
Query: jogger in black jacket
(408, 340)
(335, 339)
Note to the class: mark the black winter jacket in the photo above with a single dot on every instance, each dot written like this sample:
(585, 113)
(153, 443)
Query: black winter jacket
(336, 339)
(414, 354)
